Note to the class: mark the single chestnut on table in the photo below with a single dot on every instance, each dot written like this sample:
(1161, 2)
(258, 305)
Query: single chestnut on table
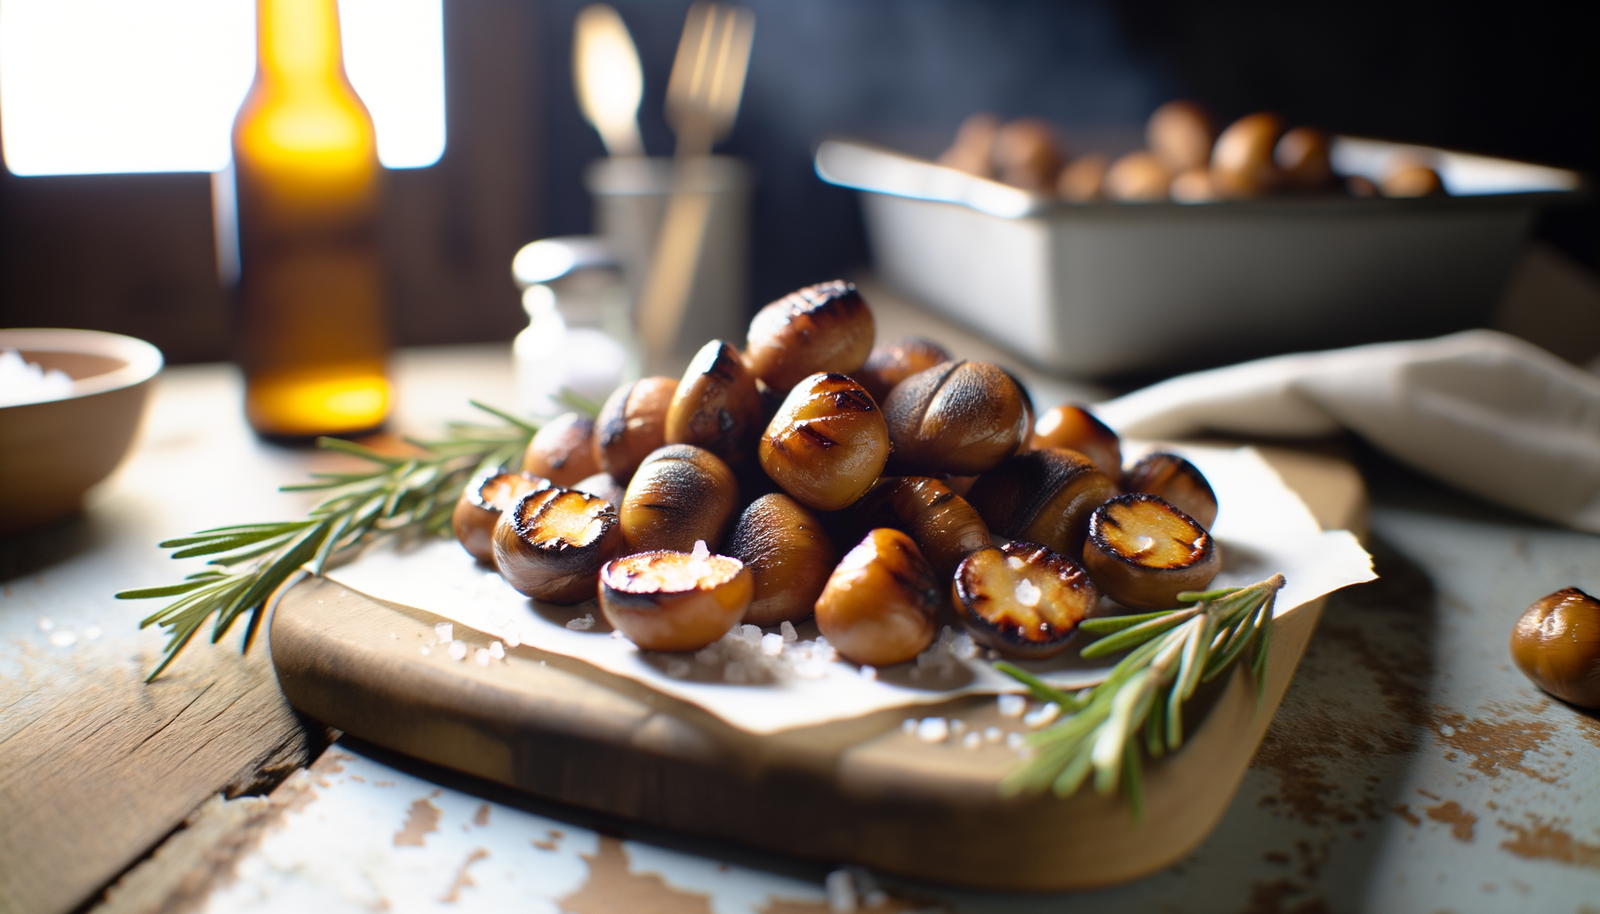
(825, 327)
(551, 543)
(1177, 481)
(788, 554)
(674, 601)
(481, 503)
(716, 406)
(881, 604)
(1023, 600)
(563, 450)
(1044, 496)
(680, 494)
(943, 525)
(631, 424)
(1243, 164)
(828, 443)
(1073, 427)
(1143, 552)
(958, 418)
(1556, 643)
(891, 363)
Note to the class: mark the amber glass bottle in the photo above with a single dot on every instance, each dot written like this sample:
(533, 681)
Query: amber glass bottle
(313, 334)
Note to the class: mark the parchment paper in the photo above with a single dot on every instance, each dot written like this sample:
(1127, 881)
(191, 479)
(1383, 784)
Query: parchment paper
(1262, 528)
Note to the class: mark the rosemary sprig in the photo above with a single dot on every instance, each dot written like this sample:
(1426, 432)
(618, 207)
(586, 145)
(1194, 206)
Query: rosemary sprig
(1139, 705)
(253, 560)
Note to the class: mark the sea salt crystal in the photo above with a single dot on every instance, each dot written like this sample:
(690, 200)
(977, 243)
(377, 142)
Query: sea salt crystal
(1012, 705)
(1015, 741)
(392, 636)
(1143, 544)
(45, 624)
(1015, 563)
(617, 635)
(963, 647)
(497, 651)
(698, 566)
(957, 726)
(1028, 593)
(512, 636)
(972, 740)
(677, 669)
(869, 672)
(908, 726)
(1040, 717)
(771, 644)
(823, 651)
(841, 891)
(63, 638)
(993, 735)
(482, 656)
(581, 624)
(933, 730)
(444, 631)
(458, 650)
(749, 634)
(22, 381)
(93, 633)
(426, 651)
(786, 629)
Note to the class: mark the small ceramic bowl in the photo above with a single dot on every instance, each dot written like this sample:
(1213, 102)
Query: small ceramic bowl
(52, 452)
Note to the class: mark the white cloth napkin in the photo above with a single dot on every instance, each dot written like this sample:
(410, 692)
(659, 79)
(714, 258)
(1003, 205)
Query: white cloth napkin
(1489, 413)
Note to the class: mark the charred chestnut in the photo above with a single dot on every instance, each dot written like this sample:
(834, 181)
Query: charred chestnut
(480, 505)
(1143, 552)
(828, 443)
(1077, 429)
(551, 543)
(716, 405)
(1242, 162)
(1556, 644)
(1177, 481)
(563, 450)
(942, 524)
(632, 423)
(1180, 134)
(674, 601)
(788, 555)
(825, 327)
(1045, 497)
(1023, 600)
(958, 418)
(882, 601)
(681, 493)
(891, 363)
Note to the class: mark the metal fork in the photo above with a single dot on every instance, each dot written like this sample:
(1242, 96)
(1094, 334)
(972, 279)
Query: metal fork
(703, 96)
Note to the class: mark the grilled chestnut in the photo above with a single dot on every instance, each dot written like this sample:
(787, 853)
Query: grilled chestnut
(1143, 552)
(891, 363)
(1556, 644)
(632, 423)
(825, 327)
(1302, 157)
(788, 554)
(973, 149)
(1412, 179)
(1180, 134)
(674, 601)
(480, 505)
(563, 450)
(681, 493)
(958, 418)
(882, 601)
(551, 543)
(827, 444)
(1027, 154)
(601, 485)
(1177, 481)
(1138, 177)
(717, 405)
(1023, 599)
(1193, 186)
(1242, 164)
(1083, 180)
(942, 524)
(1076, 428)
(1044, 496)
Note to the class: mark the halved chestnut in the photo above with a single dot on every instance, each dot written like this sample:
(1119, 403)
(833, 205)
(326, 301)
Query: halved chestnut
(551, 543)
(828, 443)
(1143, 552)
(681, 493)
(958, 418)
(881, 603)
(602, 485)
(481, 503)
(1178, 481)
(716, 405)
(942, 524)
(631, 424)
(891, 363)
(825, 327)
(674, 601)
(1073, 427)
(563, 450)
(1023, 600)
(1044, 496)
(788, 554)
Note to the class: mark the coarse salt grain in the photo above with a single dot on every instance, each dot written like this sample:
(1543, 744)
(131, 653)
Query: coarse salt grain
(677, 669)
(786, 629)
(497, 651)
(771, 644)
(841, 891)
(749, 634)
(908, 726)
(1028, 593)
(393, 637)
(426, 651)
(1012, 705)
(22, 381)
(1015, 563)
(1042, 716)
(93, 633)
(958, 726)
(1015, 740)
(63, 638)
(457, 650)
(869, 672)
(512, 636)
(972, 740)
(444, 631)
(581, 624)
(482, 656)
(617, 635)
(45, 624)
(933, 730)
(993, 735)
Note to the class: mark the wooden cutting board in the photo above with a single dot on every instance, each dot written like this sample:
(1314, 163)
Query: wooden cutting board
(858, 791)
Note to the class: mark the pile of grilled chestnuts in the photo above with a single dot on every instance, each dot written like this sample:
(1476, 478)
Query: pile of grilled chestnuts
(1185, 160)
(814, 474)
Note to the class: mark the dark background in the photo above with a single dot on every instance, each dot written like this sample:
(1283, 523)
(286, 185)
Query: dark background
(133, 253)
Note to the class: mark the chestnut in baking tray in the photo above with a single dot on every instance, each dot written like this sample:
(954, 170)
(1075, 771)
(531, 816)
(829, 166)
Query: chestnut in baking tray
(479, 507)
(562, 450)
(1024, 600)
(681, 493)
(674, 601)
(825, 327)
(716, 406)
(828, 443)
(1178, 481)
(1044, 496)
(788, 555)
(881, 603)
(958, 418)
(891, 363)
(551, 543)
(631, 424)
(1071, 426)
(1556, 643)
(1143, 552)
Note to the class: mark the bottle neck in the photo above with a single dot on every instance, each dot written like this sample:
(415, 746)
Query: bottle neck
(297, 42)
